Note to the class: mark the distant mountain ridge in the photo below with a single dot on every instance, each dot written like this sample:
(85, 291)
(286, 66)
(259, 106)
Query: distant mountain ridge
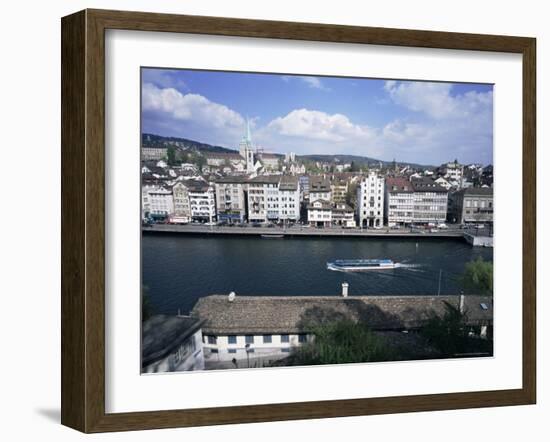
(152, 140)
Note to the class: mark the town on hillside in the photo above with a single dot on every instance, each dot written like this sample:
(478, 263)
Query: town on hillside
(251, 187)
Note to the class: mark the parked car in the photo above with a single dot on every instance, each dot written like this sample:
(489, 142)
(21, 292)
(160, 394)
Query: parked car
(442, 226)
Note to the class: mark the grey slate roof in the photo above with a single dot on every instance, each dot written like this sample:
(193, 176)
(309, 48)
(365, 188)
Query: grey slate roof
(266, 179)
(296, 314)
(288, 183)
(318, 184)
(162, 334)
(233, 179)
(477, 191)
(427, 185)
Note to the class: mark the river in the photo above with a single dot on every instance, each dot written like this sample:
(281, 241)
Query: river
(179, 269)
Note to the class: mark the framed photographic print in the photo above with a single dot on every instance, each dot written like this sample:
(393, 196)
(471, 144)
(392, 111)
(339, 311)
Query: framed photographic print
(269, 220)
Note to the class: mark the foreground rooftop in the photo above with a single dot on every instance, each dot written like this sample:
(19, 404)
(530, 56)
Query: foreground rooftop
(299, 314)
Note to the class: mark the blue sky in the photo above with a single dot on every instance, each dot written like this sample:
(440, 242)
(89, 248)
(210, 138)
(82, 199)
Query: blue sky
(423, 122)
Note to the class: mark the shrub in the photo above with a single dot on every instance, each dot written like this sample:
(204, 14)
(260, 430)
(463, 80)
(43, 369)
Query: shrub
(340, 343)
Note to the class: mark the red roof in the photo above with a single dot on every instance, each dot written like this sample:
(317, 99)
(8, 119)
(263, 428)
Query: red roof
(398, 184)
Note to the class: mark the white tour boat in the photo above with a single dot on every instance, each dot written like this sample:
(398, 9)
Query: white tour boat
(359, 265)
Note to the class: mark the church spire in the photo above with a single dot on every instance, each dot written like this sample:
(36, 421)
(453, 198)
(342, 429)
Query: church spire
(248, 136)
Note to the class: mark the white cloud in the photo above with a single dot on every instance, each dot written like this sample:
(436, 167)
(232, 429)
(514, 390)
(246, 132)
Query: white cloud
(189, 107)
(306, 131)
(319, 125)
(436, 100)
(312, 82)
(164, 79)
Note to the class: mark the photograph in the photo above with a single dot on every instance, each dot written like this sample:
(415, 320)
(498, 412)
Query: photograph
(301, 220)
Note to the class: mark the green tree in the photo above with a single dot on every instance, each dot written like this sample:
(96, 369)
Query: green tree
(351, 195)
(449, 333)
(342, 342)
(201, 162)
(171, 155)
(478, 277)
(354, 167)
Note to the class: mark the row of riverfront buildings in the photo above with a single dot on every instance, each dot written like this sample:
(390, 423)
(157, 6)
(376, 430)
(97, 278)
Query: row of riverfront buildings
(250, 186)
(370, 199)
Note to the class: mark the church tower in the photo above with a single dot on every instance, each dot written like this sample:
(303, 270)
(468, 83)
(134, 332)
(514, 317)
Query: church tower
(245, 148)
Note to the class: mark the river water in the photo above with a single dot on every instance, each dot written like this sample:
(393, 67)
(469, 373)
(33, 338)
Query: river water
(179, 269)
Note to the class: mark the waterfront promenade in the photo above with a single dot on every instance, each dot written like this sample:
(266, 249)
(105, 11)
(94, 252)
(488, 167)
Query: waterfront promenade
(297, 230)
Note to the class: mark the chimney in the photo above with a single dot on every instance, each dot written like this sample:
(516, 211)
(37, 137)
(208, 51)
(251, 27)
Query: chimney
(231, 297)
(461, 303)
(345, 286)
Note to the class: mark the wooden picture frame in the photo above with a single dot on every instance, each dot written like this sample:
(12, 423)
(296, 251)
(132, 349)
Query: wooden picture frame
(83, 220)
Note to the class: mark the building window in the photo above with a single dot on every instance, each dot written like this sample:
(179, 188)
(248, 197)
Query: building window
(302, 338)
(285, 338)
(232, 339)
(267, 339)
(214, 350)
(212, 340)
(285, 350)
(249, 339)
(232, 350)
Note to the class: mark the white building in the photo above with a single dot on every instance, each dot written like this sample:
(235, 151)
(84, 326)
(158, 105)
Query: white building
(270, 161)
(430, 202)
(370, 200)
(153, 153)
(202, 201)
(453, 171)
(297, 169)
(399, 202)
(290, 157)
(161, 202)
(156, 199)
(273, 198)
(234, 330)
(319, 213)
(182, 351)
(289, 199)
(443, 183)
(222, 159)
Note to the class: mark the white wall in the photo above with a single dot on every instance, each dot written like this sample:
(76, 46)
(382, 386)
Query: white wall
(30, 253)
